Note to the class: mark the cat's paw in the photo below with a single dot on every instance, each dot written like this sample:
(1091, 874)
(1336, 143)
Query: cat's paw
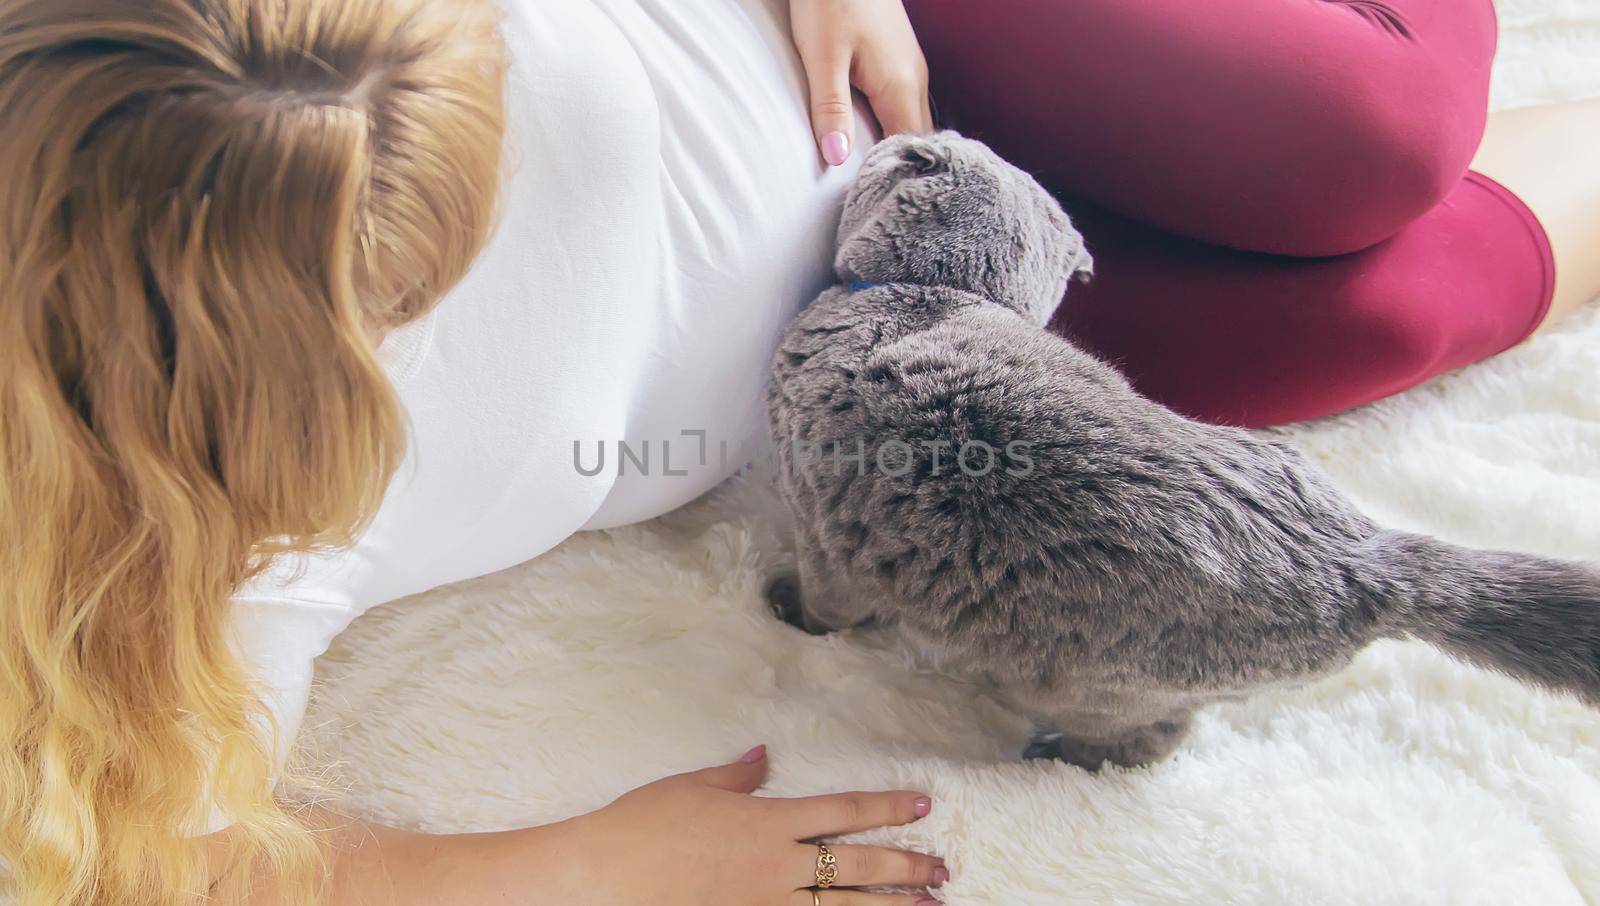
(1063, 748)
(783, 596)
(1089, 756)
(1043, 746)
(1145, 746)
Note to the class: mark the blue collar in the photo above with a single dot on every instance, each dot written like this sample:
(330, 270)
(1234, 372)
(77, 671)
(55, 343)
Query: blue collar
(857, 286)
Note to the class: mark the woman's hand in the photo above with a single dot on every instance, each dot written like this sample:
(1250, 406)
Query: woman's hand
(684, 841)
(868, 44)
(702, 838)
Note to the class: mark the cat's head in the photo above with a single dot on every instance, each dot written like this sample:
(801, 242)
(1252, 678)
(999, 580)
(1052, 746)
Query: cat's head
(942, 210)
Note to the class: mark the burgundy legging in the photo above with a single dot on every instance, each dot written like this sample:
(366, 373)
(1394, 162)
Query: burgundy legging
(1276, 191)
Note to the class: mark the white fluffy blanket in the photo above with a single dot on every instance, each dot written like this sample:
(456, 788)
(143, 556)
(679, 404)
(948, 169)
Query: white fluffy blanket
(548, 689)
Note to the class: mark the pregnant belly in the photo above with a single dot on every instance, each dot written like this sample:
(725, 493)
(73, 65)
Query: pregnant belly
(745, 238)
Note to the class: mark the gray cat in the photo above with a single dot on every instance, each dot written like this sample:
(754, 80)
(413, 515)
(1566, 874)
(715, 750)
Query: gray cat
(1013, 506)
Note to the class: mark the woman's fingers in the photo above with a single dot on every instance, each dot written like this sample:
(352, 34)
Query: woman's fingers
(848, 813)
(868, 43)
(832, 119)
(871, 866)
(742, 776)
(901, 104)
(836, 897)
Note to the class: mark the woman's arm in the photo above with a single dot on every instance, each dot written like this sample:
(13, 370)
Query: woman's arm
(868, 44)
(683, 841)
(374, 864)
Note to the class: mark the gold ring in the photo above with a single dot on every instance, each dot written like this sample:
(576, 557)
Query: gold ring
(816, 898)
(827, 869)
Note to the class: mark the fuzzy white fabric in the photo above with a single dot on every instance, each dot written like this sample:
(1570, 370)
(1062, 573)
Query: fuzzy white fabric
(546, 690)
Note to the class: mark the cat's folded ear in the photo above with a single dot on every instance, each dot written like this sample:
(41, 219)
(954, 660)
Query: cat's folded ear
(924, 155)
(909, 156)
(1083, 268)
(898, 180)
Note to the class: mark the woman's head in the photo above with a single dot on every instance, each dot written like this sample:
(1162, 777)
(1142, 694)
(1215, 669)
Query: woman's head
(208, 211)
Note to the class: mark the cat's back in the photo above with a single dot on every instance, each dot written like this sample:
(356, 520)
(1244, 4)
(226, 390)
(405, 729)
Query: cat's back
(1012, 492)
(931, 437)
(827, 386)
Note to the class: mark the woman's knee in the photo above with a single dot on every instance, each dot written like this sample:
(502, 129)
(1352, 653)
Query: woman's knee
(1325, 159)
(1298, 128)
(1385, 165)
(1399, 167)
(1387, 129)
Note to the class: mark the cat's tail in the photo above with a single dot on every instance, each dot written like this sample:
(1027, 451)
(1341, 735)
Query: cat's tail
(1532, 618)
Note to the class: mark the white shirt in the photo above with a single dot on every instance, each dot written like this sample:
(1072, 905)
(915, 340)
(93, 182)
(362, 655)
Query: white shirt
(665, 213)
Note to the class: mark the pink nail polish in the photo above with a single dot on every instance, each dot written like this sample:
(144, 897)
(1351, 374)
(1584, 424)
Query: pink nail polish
(940, 875)
(922, 806)
(836, 148)
(754, 755)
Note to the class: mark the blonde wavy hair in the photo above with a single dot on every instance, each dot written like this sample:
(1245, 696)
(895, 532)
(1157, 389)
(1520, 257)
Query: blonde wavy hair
(208, 211)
